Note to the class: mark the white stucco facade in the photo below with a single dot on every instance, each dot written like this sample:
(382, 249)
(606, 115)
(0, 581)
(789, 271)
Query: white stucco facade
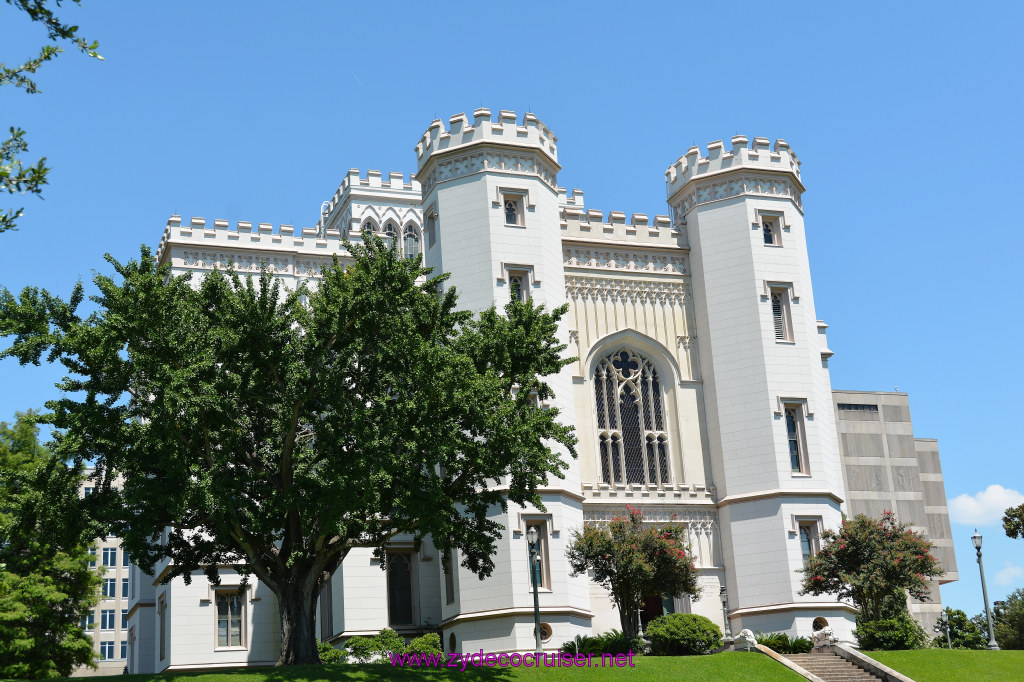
(711, 313)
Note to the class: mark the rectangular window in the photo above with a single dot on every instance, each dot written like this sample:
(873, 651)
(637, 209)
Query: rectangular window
(107, 619)
(449, 579)
(795, 439)
(781, 316)
(107, 650)
(124, 619)
(89, 620)
(809, 545)
(109, 588)
(88, 491)
(124, 558)
(399, 569)
(109, 556)
(162, 634)
(513, 207)
(92, 553)
(541, 570)
(124, 649)
(229, 619)
(770, 228)
(124, 588)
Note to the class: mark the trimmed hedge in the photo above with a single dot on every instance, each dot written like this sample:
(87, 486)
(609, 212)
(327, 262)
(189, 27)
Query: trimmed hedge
(683, 634)
(890, 634)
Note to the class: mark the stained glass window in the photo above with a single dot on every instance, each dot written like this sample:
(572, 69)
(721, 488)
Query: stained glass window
(632, 441)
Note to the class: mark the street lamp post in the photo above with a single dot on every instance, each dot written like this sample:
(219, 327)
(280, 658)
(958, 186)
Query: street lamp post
(531, 537)
(943, 624)
(725, 611)
(976, 541)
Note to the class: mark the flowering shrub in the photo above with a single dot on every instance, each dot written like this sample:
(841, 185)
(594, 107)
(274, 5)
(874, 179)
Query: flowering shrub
(634, 562)
(874, 562)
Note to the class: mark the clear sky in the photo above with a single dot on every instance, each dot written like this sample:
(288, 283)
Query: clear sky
(906, 117)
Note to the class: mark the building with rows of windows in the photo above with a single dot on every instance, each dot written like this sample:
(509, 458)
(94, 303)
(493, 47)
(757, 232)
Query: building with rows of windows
(701, 395)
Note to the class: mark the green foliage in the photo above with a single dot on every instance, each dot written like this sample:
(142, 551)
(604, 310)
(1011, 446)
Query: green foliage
(45, 581)
(890, 634)
(683, 634)
(15, 177)
(611, 642)
(874, 563)
(274, 430)
(782, 643)
(377, 649)
(634, 562)
(963, 632)
(429, 643)
(1013, 522)
(328, 654)
(1009, 622)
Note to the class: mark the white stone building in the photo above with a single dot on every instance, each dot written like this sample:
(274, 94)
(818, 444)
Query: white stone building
(701, 394)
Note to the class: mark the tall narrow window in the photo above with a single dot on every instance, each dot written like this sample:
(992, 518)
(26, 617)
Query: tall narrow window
(513, 211)
(109, 588)
(770, 229)
(124, 619)
(809, 545)
(229, 619)
(518, 286)
(124, 558)
(92, 561)
(632, 438)
(411, 242)
(390, 235)
(161, 610)
(781, 318)
(107, 650)
(124, 649)
(795, 438)
(399, 588)
(124, 588)
(449, 579)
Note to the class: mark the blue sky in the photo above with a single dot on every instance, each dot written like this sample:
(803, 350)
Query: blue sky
(906, 117)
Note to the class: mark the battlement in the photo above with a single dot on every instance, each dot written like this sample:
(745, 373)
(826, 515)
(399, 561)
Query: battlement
(531, 132)
(759, 154)
(578, 222)
(263, 236)
(371, 183)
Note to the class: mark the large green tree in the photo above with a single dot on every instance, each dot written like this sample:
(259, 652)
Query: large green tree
(1008, 622)
(874, 562)
(634, 562)
(963, 632)
(45, 582)
(276, 430)
(15, 176)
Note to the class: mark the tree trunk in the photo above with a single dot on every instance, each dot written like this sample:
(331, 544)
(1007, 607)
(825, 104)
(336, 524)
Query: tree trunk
(628, 618)
(298, 624)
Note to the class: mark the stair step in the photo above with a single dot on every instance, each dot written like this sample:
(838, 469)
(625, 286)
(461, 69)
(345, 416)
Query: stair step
(832, 667)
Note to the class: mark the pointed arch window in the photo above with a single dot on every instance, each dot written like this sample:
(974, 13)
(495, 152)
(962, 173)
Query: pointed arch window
(632, 438)
(389, 234)
(411, 241)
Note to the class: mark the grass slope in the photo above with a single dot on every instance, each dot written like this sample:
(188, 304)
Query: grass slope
(942, 665)
(724, 667)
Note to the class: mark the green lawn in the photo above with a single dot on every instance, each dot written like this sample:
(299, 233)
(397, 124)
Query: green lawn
(942, 665)
(725, 667)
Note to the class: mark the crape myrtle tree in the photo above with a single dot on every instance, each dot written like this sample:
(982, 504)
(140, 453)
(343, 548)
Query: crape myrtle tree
(274, 430)
(634, 562)
(874, 562)
(46, 584)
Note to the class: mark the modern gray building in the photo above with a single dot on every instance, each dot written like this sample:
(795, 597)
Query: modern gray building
(885, 467)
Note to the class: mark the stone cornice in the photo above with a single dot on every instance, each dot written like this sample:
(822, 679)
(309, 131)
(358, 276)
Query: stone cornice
(491, 158)
(733, 183)
(624, 258)
(634, 291)
(778, 492)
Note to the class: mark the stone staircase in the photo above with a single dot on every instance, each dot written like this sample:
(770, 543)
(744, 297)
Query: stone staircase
(832, 668)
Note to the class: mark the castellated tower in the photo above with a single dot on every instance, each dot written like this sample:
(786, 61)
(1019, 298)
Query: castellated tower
(764, 364)
(491, 219)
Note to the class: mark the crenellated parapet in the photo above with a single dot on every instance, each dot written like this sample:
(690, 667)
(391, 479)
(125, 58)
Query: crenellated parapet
(747, 167)
(343, 212)
(202, 245)
(486, 145)
(579, 223)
